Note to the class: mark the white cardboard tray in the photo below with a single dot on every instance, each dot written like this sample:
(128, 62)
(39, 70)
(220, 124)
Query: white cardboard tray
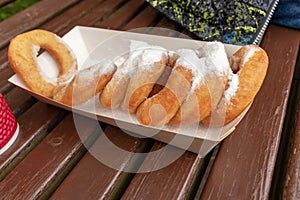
(90, 45)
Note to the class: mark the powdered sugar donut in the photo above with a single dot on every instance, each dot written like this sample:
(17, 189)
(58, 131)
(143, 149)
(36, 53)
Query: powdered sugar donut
(249, 67)
(85, 84)
(208, 85)
(22, 55)
(151, 64)
(160, 108)
(115, 90)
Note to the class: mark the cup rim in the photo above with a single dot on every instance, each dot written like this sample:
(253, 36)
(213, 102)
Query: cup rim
(11, 141)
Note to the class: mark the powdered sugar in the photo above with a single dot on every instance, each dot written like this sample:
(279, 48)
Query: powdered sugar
(233, 84)
(216, 58)
(148, 55)
(210, 58)
(103, 67)
(142, 55)
(189, 59)
(248, 54)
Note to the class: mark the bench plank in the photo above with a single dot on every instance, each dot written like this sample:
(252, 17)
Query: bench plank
(288, 186)
(40, 172)
(45, 117)
(122, 15)
(146, 18)
(5, 74)
(70, 16)
(30, 18)
(19, 101)
(97, 15)
(174, 181)
(95, 180)
(245, 163)
(292, 186)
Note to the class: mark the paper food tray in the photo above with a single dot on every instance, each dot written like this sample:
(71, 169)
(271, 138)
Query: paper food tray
(90, 45)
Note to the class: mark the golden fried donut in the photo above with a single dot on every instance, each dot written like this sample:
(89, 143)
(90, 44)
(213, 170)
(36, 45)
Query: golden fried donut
(249, 67)
(22, 53)
(87, 83)
(114, 92)
(150, 67)
(208, 89)
(160, 108)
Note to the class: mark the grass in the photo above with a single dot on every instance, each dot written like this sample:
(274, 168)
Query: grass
(15, 7)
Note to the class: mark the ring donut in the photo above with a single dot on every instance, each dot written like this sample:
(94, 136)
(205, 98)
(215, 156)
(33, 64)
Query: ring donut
(22, 56)
(206, 91)
(161, 107)
(249, 67)
(150, 67)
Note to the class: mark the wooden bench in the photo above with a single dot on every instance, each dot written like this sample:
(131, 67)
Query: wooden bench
(258, 160)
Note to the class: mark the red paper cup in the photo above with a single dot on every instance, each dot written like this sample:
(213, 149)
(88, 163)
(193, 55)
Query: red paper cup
(9, 128)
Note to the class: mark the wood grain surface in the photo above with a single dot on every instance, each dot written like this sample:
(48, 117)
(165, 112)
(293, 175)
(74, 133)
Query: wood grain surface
(44, 166)
(97, 180)
(292, 177)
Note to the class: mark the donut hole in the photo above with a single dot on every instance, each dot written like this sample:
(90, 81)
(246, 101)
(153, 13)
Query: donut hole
(47, 65)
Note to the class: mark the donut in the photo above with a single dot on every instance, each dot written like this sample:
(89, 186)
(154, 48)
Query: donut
(86, 83)
(114, 92)
(208, 88)
(161, 107)
(249, 67)
(150, 67)
(22, 56)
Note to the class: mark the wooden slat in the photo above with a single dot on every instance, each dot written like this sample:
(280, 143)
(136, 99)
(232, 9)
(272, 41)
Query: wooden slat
(144, 19)
(5, 74)
(30, 18)
(174, 181)
(291, 184)
(288, 165)
(94, 179)
(122, 15)
(3, 58)
(97, 15)
(43, 168)
(74, 15)
(166, 27)
(19, 101)
(35, 124)
(245, 163)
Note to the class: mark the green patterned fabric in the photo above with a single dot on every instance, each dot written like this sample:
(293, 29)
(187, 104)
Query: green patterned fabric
(229, 21)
